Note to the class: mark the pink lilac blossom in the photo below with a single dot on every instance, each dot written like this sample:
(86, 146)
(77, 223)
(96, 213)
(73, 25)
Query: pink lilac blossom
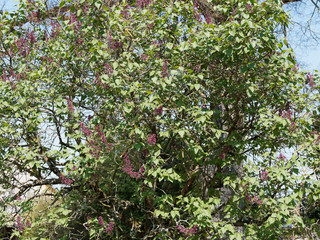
(28, 223)
(234, 12)
(109, 229)
(158, 111)
(100, 219)
(310, 78)
(208, 19)
(152, 139)
(4, 77)
(187, 231)
(143, 57)
(143, 3)
(55, 29)
(254, 199)
(248, 6)
(264, 175)
(282, 157)
(70, 105)
(85, 130)
(32, 37)
(165, 69)
(20, 224)
(296, 68)
(108, 69)
(18, 198)
(128, 168)
(196, 13)
(64, 180)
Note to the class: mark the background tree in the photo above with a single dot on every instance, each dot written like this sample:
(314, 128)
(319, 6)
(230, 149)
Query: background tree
(157, 120)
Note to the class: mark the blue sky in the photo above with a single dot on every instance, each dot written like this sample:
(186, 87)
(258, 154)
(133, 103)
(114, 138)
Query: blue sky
(306, 49)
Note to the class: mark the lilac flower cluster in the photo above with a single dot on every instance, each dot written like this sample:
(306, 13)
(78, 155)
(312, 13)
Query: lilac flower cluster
(264, 175)
(165, 69)
(296, 68)
(143, 57)
(248, 6)
(109, 229)
(187, 231)
(110, 226)
(28, 223)
(158, 111)
(310, 81)
(196, 13)
(152, 139)
(20, 224)
(23, 46)
(128, 168)
(70, 105)
(254, 199)
(108, 69)
(9, 77)
(55, 29)
(143, 3)
(207, 19)
(124, 12)
(287, 114)
(34, 16)
(97, 144)
(85, 130)
(100, 219)
(64, 180)
(282, 157)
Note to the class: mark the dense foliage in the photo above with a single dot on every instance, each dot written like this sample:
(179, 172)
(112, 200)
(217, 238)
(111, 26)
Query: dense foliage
(155, 120)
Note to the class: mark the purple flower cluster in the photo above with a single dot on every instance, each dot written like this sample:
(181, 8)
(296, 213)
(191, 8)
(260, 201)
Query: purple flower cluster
(85, 130)
(109, 229)
(108, 69)
(97, 144)
(207, 19)
(287, 114)
(64, 180)
(6, 77)
(152, 139)
(20, 224)
(196, 13)
(165, 69)
(23, 46)
(143, 3)
(264, 175)
(28, 223)
(34, 16)
(296, 68)
(248, 6)
(158, 111)
(187, 231)
(70, 105)
(100, 219)
(110, 226)
(254, 199)
(282, 157)
(55, 29)
(196, 68)
(310, 81)
(143, 57)
(128, 168)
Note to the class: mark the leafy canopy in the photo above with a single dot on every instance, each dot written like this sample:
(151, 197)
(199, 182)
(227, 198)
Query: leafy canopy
(155, 120)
